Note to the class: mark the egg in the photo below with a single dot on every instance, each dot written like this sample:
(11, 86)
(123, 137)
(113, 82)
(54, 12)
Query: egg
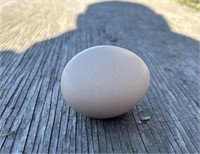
(104, 81)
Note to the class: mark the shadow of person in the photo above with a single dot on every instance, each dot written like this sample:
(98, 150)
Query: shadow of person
(129, 25)
(32, 79)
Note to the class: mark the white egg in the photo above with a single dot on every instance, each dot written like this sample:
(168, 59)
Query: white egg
(104, 81)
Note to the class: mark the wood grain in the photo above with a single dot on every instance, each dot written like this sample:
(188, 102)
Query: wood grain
(40, 37)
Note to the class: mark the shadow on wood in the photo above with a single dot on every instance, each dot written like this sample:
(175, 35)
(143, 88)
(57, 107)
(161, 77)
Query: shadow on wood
(32, 104)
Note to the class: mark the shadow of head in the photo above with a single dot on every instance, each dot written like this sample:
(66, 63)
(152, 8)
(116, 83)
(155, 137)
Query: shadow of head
(119, 16)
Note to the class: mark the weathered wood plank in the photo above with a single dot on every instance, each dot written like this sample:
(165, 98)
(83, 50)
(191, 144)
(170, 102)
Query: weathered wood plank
(34, 118)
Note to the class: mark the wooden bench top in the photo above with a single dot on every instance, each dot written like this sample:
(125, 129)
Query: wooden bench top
(38, 40)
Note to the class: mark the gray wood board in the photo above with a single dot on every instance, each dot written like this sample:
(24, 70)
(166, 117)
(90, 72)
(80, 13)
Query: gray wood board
(34, 118)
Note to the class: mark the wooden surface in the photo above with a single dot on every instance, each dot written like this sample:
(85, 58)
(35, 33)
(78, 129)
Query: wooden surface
(39, 38)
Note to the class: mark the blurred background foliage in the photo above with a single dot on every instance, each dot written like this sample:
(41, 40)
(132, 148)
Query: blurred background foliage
(191, 3)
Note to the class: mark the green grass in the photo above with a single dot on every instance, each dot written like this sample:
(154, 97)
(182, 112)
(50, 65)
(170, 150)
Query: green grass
(195, 4)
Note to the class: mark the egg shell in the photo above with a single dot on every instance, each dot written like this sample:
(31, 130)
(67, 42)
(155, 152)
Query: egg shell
(104, 81)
